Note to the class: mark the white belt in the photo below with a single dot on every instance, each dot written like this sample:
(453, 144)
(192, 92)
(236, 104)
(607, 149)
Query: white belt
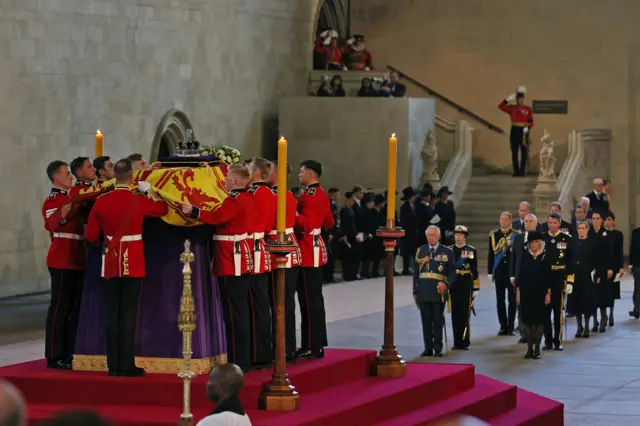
(68, 236)
(316, 231)
(257, 251)
(257, 235)
(286, 231)
(240, 237)
(127, 238)
(316, 246)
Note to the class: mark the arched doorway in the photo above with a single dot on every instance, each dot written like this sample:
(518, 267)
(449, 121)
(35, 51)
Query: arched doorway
(172, 128)
(335, 14)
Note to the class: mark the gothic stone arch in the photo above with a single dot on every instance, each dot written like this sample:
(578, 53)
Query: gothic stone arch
(332, 13)
(172, 128)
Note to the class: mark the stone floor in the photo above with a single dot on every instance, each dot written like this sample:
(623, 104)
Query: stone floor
(597, 379)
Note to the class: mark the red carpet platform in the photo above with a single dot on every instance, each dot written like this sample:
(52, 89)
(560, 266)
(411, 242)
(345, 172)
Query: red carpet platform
(337, 390)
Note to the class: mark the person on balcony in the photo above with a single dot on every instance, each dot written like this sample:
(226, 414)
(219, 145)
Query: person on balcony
(356, 54)
(521, 123)
(367, 90)
(327, 55)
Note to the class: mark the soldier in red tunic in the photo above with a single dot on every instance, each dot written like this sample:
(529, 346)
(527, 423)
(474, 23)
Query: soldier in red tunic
(314, 213)
(66, 262)
(265, 205)
(292, 272)
(327, 54)
(521, 123)
(358, 58)
(233, 260)
(116, 218)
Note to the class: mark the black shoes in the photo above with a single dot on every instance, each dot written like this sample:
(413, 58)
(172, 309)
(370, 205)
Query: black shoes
(529, 354)
(438, 354)
(595, 327)
(522, 340)
(502, 332)
(580, 332)
(426, 353)
(59, 365)
(310, 353)
(547, 347)
(635, 315)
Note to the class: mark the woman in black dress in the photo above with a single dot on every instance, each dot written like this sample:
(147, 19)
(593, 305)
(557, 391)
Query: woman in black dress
(603, 271)
(617, 257)
(532, 292)
(582, 300)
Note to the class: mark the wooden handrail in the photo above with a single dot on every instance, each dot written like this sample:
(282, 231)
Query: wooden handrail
(448, 101)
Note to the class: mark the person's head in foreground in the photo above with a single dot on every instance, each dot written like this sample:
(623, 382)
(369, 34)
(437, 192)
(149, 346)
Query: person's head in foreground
(13, 411)
(223, 389)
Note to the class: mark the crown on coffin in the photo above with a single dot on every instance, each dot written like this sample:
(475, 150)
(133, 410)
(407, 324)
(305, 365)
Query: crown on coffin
(189, 147)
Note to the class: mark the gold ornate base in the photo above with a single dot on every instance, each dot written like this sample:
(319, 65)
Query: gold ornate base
(279, 398)
(390, 366)
(151, 365)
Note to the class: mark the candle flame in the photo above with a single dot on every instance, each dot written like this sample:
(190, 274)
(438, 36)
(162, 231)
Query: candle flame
(393, 135)
(281, 138)
(98, 132)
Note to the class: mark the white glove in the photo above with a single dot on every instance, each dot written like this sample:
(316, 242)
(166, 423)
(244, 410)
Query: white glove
(334, 34)
(351, 41)
(569, 289)
(324, 34)
(367, 69)
(144, 186)
(327, 41)
(526, 131)
(344, 68)
(511, 97)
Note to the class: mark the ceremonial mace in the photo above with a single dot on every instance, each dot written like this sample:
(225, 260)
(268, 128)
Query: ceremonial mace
(278, 394)
(186, 324)
(389, 363)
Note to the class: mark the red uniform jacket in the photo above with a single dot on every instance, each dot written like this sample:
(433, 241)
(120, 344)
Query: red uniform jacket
(234, 221)
(294, 258)
(263, 220)
(116, 218)
(521, 116)
(332, 53)
(314, 213)
(358, 59)
(67, 249)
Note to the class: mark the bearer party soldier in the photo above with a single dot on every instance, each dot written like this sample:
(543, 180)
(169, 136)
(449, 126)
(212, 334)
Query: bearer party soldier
(434, 273)
(314, 213)
(265, 205)
(233, 260)
(463, 291)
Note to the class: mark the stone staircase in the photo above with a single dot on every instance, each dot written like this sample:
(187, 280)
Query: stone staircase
(485, 198)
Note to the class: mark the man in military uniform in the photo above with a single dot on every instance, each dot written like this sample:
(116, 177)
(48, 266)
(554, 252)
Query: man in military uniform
(557, 247)
(565, 226)
(598, 200)
(521, 123)
(104, 169)
(463, 290)
(116, 218)
(434, 273)
(498, 265)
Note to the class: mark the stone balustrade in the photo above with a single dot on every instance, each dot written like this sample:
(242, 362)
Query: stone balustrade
(458, 172)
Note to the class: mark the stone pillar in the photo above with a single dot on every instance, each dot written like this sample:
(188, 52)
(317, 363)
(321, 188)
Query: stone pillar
(429, 157)
(546, 191)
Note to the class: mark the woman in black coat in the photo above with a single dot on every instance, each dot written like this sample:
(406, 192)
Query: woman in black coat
(582, 300)
(409, 221)
(532, 292)
(604, 271)
(617, 258)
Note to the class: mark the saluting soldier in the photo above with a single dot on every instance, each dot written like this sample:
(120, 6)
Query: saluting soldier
(233, 260)
(259, 299)
(116, 218)
(498, 265)
(434, 273)
(463, 290)
(557, 245)
(521, 123)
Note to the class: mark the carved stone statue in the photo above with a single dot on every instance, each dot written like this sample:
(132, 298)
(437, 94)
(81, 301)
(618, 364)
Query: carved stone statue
(430, 160)
(547, 158)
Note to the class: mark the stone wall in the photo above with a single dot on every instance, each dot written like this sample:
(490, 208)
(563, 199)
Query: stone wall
(70, 67)
(349, 136)
(477, 52)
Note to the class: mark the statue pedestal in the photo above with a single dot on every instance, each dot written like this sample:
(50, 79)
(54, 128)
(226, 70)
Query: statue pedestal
(545, 193)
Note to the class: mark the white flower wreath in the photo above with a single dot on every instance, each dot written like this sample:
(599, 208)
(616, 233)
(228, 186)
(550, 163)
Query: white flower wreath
(225, 153)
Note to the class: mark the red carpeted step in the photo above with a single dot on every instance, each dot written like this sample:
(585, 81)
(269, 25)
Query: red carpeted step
(532, 410)
(487, 399)
(371, 399)
(42, 385)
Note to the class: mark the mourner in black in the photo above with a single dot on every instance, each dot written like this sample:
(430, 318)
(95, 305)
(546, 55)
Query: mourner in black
(425, 214)
(350, 246)
(498, 265)
(397, 223)
(332, 237)
(435, 272)
(463, 291)
(634, 268)
(581, 301)
(617, 257)
(378, 245)
(409, 221)
(559, 256)
(533, 294)
(598, 200)
(446, 211)
(358, 208)
(580, 213)
(524, 209)
(565, 226)
(370, 220)
(603, 271)
(517, 251)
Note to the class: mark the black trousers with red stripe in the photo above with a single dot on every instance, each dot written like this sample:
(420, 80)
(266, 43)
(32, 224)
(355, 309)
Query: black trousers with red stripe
(234, 298)
(62, 318)
(290, 284)
(260, 303)
(311, 300)
(123, 300)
